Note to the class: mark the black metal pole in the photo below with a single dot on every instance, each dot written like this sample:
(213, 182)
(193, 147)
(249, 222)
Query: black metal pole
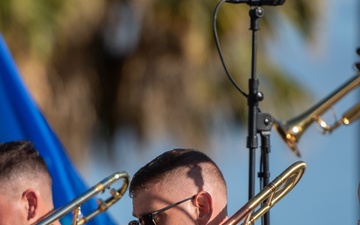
(253, 100)
(264, 126)
(265, 172)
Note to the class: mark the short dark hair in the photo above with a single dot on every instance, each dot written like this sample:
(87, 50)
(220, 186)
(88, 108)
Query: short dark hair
(168, 162)
(18, 157)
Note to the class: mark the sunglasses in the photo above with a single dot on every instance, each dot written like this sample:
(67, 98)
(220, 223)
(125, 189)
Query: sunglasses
(149, 219)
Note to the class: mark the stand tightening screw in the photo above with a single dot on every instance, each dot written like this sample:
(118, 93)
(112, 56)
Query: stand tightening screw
(259, 96)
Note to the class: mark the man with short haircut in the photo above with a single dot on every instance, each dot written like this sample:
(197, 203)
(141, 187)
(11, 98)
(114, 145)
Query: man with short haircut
(25, 184)
(179, 187)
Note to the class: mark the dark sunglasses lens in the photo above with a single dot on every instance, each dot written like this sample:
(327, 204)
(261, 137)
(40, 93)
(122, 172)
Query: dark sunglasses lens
(134, 222)
(147, 220)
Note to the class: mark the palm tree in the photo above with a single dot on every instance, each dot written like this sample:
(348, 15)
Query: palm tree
(150, 67)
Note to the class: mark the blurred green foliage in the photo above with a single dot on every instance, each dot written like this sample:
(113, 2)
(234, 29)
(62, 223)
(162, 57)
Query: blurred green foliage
(150, 67)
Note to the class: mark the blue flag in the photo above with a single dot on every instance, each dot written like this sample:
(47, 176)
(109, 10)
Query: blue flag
(21, 119)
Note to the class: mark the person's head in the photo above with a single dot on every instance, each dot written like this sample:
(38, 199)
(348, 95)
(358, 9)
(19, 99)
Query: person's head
(25, 184)
(184, 176)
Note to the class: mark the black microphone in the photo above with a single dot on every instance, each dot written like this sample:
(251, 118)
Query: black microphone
(258, 2)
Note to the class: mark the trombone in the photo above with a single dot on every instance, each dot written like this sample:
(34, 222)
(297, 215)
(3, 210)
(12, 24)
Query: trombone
(74, 205)
(269, 196)
(292, 130)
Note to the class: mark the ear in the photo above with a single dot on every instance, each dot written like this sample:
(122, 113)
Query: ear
(30, 199)
(203, 201)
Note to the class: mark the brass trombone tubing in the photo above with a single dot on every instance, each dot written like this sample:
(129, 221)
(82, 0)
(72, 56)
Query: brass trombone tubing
(347, 118)
(292, 130)
(102, 205)
(269, 195)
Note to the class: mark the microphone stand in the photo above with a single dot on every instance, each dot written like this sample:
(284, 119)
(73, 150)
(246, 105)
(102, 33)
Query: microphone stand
(258, 122)
(264, 174)
(253, 100)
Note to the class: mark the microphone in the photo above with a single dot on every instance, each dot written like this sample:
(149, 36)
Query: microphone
(258, 2)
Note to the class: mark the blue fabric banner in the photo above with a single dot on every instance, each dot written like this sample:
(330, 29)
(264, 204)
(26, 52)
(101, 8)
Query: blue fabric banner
(20, 119)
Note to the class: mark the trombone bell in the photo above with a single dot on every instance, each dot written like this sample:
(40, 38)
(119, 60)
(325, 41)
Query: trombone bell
(292, 130)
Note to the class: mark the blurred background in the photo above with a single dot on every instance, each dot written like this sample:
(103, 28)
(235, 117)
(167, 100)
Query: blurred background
(123, 81)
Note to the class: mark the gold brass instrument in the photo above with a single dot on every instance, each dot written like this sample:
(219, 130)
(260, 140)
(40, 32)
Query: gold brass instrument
(292, 130)
(74, 206)
(269, 196)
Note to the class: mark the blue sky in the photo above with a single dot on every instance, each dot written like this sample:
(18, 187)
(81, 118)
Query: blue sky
(327, 193)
